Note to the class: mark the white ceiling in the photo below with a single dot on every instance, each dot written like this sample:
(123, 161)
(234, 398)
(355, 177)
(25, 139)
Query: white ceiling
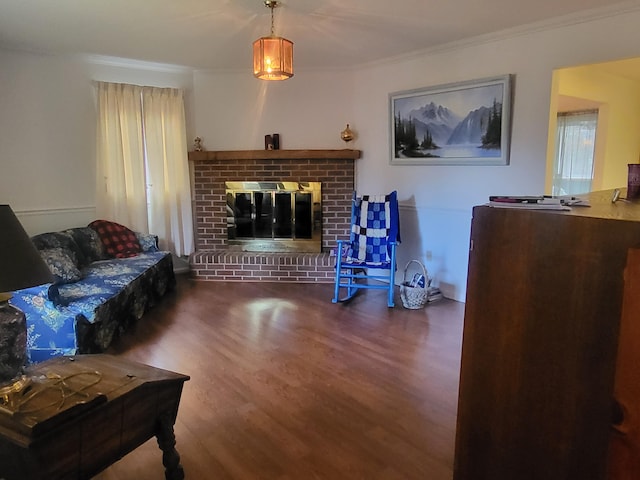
(217, 34)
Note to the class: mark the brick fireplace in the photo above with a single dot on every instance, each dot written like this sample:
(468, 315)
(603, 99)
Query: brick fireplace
(215, 259)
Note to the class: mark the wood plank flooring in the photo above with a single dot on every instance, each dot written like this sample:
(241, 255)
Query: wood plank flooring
(286, 385)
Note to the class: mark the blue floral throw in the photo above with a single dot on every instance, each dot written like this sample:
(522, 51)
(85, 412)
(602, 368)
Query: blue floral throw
(93, 299)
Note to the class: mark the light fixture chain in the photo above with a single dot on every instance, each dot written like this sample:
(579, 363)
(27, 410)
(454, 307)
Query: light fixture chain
(272, 6)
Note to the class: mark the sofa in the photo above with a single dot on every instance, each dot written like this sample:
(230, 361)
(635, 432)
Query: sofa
(106, 278)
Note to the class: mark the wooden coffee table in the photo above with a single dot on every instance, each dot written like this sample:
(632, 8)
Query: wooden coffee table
(81, 414)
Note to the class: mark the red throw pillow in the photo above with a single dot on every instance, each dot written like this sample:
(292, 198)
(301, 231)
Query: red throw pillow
(118, 240)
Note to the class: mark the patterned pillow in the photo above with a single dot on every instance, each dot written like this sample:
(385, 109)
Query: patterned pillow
(148, 242)
(63, 240)
(89, 243)
(118, 240)
(61, 265)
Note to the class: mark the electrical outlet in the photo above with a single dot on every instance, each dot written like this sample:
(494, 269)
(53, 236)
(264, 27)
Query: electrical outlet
(429, 255)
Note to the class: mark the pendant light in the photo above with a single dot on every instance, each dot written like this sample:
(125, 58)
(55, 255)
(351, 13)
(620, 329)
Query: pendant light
(272, 56)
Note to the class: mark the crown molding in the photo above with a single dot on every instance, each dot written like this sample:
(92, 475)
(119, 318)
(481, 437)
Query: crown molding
(137, 64)
(527, 29)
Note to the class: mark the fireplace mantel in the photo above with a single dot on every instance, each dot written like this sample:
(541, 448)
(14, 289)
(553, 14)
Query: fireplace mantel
(273, 155)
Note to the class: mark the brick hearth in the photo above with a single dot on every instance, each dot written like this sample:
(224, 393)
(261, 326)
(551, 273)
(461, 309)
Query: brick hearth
(214, 260)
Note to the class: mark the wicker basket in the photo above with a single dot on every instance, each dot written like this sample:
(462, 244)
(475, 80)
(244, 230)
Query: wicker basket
(414, 298)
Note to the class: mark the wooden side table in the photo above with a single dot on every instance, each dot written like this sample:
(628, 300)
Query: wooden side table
(81, 414)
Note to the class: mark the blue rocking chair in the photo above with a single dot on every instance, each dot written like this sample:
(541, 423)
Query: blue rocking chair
(371, 247)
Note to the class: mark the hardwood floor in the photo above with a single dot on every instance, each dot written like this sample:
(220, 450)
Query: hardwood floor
(286, 385)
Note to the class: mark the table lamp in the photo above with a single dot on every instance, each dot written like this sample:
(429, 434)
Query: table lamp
(21, 266)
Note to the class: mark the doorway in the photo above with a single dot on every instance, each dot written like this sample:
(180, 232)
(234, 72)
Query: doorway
(613, 89)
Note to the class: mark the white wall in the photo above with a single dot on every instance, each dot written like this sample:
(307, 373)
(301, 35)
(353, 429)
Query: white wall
(46, 137)
(440, 198)
(234, 111)
(47, 132)
(47, 126)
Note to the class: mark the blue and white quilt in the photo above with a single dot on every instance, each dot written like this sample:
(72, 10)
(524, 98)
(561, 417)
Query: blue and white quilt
(374, 224)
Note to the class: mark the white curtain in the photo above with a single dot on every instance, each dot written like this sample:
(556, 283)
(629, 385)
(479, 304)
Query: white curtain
(167, 169)
(121, 184)
(143, 173)
(575, 148)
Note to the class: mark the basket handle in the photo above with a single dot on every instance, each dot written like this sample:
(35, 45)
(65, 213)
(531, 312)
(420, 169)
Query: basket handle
(424, 270)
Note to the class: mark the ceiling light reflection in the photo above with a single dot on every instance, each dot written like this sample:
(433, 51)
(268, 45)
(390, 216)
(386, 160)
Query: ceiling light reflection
(265, 313)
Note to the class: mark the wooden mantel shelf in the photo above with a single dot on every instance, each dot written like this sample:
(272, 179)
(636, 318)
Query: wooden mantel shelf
(273, 154)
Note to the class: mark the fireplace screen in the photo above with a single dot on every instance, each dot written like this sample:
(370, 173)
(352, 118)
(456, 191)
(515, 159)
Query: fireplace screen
(275, 216)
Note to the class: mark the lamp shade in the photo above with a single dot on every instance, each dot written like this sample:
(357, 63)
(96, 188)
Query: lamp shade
(21, 265)
(273, 58)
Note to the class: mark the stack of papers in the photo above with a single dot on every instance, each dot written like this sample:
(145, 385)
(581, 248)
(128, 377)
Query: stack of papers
(536, 202)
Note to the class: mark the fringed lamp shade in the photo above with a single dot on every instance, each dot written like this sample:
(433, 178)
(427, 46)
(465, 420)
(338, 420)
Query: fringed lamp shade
(20, 267)
(273, 58)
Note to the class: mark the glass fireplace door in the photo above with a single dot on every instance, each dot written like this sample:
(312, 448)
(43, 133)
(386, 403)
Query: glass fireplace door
(274, 216)
(282, 218)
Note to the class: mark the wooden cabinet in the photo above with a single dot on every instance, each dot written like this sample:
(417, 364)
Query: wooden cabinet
(542, 319)
(624, 449)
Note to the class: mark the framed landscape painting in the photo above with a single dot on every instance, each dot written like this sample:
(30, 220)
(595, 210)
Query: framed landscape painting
(466, 123)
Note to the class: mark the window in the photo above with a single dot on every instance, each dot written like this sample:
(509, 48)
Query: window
(575, 146)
